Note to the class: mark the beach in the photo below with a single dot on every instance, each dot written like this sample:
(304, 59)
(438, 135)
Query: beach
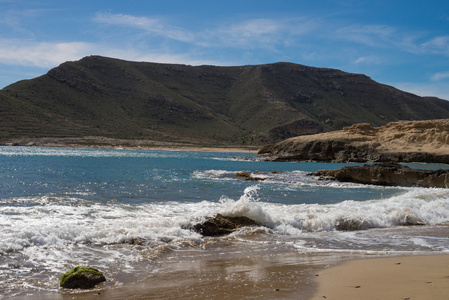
(400, 277)
(285, 276)
(191, 275)
(113, 143)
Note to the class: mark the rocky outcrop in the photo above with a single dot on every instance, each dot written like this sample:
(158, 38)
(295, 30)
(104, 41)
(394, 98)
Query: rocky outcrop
(388, 174)
(403, 141)
(253, 176)
(81, 278)
(222, 225)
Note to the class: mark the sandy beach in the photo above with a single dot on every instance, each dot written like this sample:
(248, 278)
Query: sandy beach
(285, 276)
(399, 277)
(112, 143)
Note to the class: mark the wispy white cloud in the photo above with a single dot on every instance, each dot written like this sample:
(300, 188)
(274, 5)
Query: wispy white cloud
(47, 55)
(437, 45)
(367, 60)
(250, 33)
(440, 76)
(247, 34)
(370, 35)
(265, 33)
(41, 54)
(149, 25)
(397, 39)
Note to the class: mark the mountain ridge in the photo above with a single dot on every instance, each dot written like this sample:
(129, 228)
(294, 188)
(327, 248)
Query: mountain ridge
(252, 104)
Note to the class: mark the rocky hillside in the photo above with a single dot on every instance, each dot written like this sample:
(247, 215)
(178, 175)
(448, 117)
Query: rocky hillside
(115, 99)
(404, 141)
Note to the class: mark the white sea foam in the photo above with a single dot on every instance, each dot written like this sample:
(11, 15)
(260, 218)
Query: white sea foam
(45, 222)
(289, 179)
(53, 233)
(248, 205)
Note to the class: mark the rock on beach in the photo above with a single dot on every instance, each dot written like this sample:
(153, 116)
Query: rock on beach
(81, 277)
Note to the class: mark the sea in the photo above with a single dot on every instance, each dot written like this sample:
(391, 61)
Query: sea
(130, 213)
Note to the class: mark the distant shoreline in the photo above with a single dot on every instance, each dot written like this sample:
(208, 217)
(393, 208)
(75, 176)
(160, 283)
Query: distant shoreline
(111, 143)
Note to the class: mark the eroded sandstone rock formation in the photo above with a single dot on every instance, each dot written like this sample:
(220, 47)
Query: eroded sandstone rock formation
(403, 141)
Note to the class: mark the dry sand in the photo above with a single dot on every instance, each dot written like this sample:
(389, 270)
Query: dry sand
(411, 277)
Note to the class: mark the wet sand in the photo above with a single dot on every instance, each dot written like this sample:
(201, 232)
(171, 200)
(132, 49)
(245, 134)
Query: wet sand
(400, 277)
(283, 275)
(219, 275)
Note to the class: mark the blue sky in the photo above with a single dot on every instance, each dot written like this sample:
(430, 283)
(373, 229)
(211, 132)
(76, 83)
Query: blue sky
(400, 43)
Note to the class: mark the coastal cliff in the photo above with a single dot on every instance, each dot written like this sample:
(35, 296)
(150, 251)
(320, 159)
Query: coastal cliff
(403, 141)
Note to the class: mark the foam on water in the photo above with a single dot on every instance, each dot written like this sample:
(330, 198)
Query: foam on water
(44, 222)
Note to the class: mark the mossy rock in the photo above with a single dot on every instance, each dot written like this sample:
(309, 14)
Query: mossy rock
(81, 277)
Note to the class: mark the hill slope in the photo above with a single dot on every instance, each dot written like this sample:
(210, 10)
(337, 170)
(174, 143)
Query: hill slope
(98, 96)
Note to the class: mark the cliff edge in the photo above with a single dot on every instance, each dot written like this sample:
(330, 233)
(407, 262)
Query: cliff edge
(403, 141)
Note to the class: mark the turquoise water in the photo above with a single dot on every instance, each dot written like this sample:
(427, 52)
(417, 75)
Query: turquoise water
(64, 207)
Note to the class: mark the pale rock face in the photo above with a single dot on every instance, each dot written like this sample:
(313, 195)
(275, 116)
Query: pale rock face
(403, 141)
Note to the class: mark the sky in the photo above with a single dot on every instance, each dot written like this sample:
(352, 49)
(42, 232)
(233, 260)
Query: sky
(404, 44)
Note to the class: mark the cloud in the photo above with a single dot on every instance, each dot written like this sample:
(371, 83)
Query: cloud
(41, 54)
(370, 35)
(149, 25)
(48, 55)
(248, 34)
(437, 45)
(367, 60)
(440, 76)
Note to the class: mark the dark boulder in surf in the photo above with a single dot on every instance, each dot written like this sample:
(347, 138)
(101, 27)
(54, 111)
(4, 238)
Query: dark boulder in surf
(222, 225)
(81, 277)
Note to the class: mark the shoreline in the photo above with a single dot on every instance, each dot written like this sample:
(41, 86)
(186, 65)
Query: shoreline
(138, 145)
(286, 275)
(218, 275)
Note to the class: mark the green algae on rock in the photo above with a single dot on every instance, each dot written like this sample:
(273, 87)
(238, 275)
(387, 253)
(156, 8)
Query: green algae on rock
(81, 277)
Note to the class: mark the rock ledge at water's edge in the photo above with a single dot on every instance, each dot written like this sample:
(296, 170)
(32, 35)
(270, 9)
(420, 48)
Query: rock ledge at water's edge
(402, 141)
(388, 174)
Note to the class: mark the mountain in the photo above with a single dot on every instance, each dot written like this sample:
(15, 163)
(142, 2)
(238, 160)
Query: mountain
(208, 105)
